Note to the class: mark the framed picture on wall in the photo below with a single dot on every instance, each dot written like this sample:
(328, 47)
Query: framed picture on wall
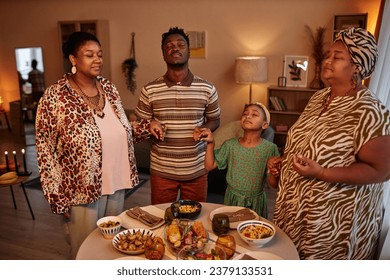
(342, 22)
(295, 70)
(197, 44)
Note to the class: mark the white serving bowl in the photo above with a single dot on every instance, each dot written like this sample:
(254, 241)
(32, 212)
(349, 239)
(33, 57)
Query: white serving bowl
(109, 231)
(256, 233)
(122, 240)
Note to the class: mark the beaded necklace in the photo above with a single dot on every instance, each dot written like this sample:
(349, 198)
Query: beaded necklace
(96, 102)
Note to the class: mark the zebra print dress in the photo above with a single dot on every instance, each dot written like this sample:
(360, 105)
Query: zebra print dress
(325, 220)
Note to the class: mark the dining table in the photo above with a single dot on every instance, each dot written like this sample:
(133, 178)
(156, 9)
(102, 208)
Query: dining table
(96, 247)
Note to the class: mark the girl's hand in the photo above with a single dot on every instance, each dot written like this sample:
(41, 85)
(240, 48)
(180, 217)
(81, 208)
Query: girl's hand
(157, 129)
(203, 134)
(274, 165)
(307, 167)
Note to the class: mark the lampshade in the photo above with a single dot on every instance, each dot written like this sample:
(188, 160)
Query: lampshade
(251, 69)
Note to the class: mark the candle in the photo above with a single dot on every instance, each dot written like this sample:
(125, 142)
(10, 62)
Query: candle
(24, 161)
(16, 162)
(6, 160)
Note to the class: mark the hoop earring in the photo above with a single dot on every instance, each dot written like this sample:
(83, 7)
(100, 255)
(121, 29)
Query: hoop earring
(74, 69)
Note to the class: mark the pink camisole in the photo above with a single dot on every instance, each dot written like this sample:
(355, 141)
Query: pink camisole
(116, 166)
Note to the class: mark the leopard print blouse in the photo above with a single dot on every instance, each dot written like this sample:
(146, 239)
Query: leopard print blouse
(69, 145)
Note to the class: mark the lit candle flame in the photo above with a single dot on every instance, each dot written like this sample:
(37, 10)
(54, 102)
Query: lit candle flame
(22, 151)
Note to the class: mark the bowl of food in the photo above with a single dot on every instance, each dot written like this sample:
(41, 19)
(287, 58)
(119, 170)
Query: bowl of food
(256, 233)
(133, 241)
(210, 251)
(186, 209)
(184, 232)
(109, 226)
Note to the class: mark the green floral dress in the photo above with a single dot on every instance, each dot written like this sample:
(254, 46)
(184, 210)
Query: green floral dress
(246, 173)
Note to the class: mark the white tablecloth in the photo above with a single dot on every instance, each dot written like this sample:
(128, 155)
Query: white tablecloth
(96, 247)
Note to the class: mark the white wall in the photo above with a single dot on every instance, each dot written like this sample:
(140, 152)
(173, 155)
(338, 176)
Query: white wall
(271, 28)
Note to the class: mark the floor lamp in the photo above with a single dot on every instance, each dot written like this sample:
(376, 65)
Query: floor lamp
(250, 70)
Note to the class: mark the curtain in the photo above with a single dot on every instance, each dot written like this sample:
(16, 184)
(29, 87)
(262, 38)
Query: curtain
(380, 85)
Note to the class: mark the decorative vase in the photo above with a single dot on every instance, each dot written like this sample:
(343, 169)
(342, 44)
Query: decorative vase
(317, 83)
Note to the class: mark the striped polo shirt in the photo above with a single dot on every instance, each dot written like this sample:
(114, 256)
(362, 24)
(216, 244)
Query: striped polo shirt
(181, 107)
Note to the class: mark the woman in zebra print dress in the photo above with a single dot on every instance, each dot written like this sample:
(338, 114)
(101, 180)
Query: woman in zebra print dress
(336, 159)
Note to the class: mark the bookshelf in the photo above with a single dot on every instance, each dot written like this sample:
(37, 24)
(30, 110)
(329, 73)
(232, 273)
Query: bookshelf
(284, 116)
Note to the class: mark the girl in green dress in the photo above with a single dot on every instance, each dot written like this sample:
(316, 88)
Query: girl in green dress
(245, 159)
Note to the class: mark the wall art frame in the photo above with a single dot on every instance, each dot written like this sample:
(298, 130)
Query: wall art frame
(197, 44)
(296, 70)
(341, 22)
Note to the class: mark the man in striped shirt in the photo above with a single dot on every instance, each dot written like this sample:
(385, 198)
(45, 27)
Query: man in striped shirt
(183, 103)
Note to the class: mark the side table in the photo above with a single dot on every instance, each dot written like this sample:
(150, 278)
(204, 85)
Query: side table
(21, 180)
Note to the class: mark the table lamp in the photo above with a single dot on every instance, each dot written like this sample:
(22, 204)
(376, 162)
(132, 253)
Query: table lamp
(250, 70)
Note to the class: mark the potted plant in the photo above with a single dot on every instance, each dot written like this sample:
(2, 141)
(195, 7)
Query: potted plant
(318, 53)
(129, 66)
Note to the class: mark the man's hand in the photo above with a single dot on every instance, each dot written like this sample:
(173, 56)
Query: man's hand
(203, 134)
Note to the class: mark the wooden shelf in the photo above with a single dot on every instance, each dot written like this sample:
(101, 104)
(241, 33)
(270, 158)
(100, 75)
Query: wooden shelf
(285, 112)
(295, 99)
(281, 132)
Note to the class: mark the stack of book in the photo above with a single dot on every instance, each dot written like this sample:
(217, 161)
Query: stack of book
(278, 103)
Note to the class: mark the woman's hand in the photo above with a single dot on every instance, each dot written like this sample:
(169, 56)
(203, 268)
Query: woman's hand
(157, 129)
(307, 167)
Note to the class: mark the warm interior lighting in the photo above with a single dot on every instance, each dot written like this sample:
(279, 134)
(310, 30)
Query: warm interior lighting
(250, 70)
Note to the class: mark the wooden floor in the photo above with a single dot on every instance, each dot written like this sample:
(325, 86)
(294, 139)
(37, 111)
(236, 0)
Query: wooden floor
(44, 238)
(21, 237)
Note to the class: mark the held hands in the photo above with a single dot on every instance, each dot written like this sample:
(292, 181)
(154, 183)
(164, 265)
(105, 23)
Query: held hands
(307, 167)
(157, 129)
(203, 134)
(274, 165)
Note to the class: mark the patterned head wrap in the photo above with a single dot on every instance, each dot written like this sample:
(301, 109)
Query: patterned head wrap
(362, 47)
(266, 112)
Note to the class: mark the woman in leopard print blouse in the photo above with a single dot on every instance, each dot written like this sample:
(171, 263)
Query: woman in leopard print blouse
(85, 142)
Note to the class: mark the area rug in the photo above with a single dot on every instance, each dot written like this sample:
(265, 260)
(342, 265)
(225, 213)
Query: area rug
(142, 181)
